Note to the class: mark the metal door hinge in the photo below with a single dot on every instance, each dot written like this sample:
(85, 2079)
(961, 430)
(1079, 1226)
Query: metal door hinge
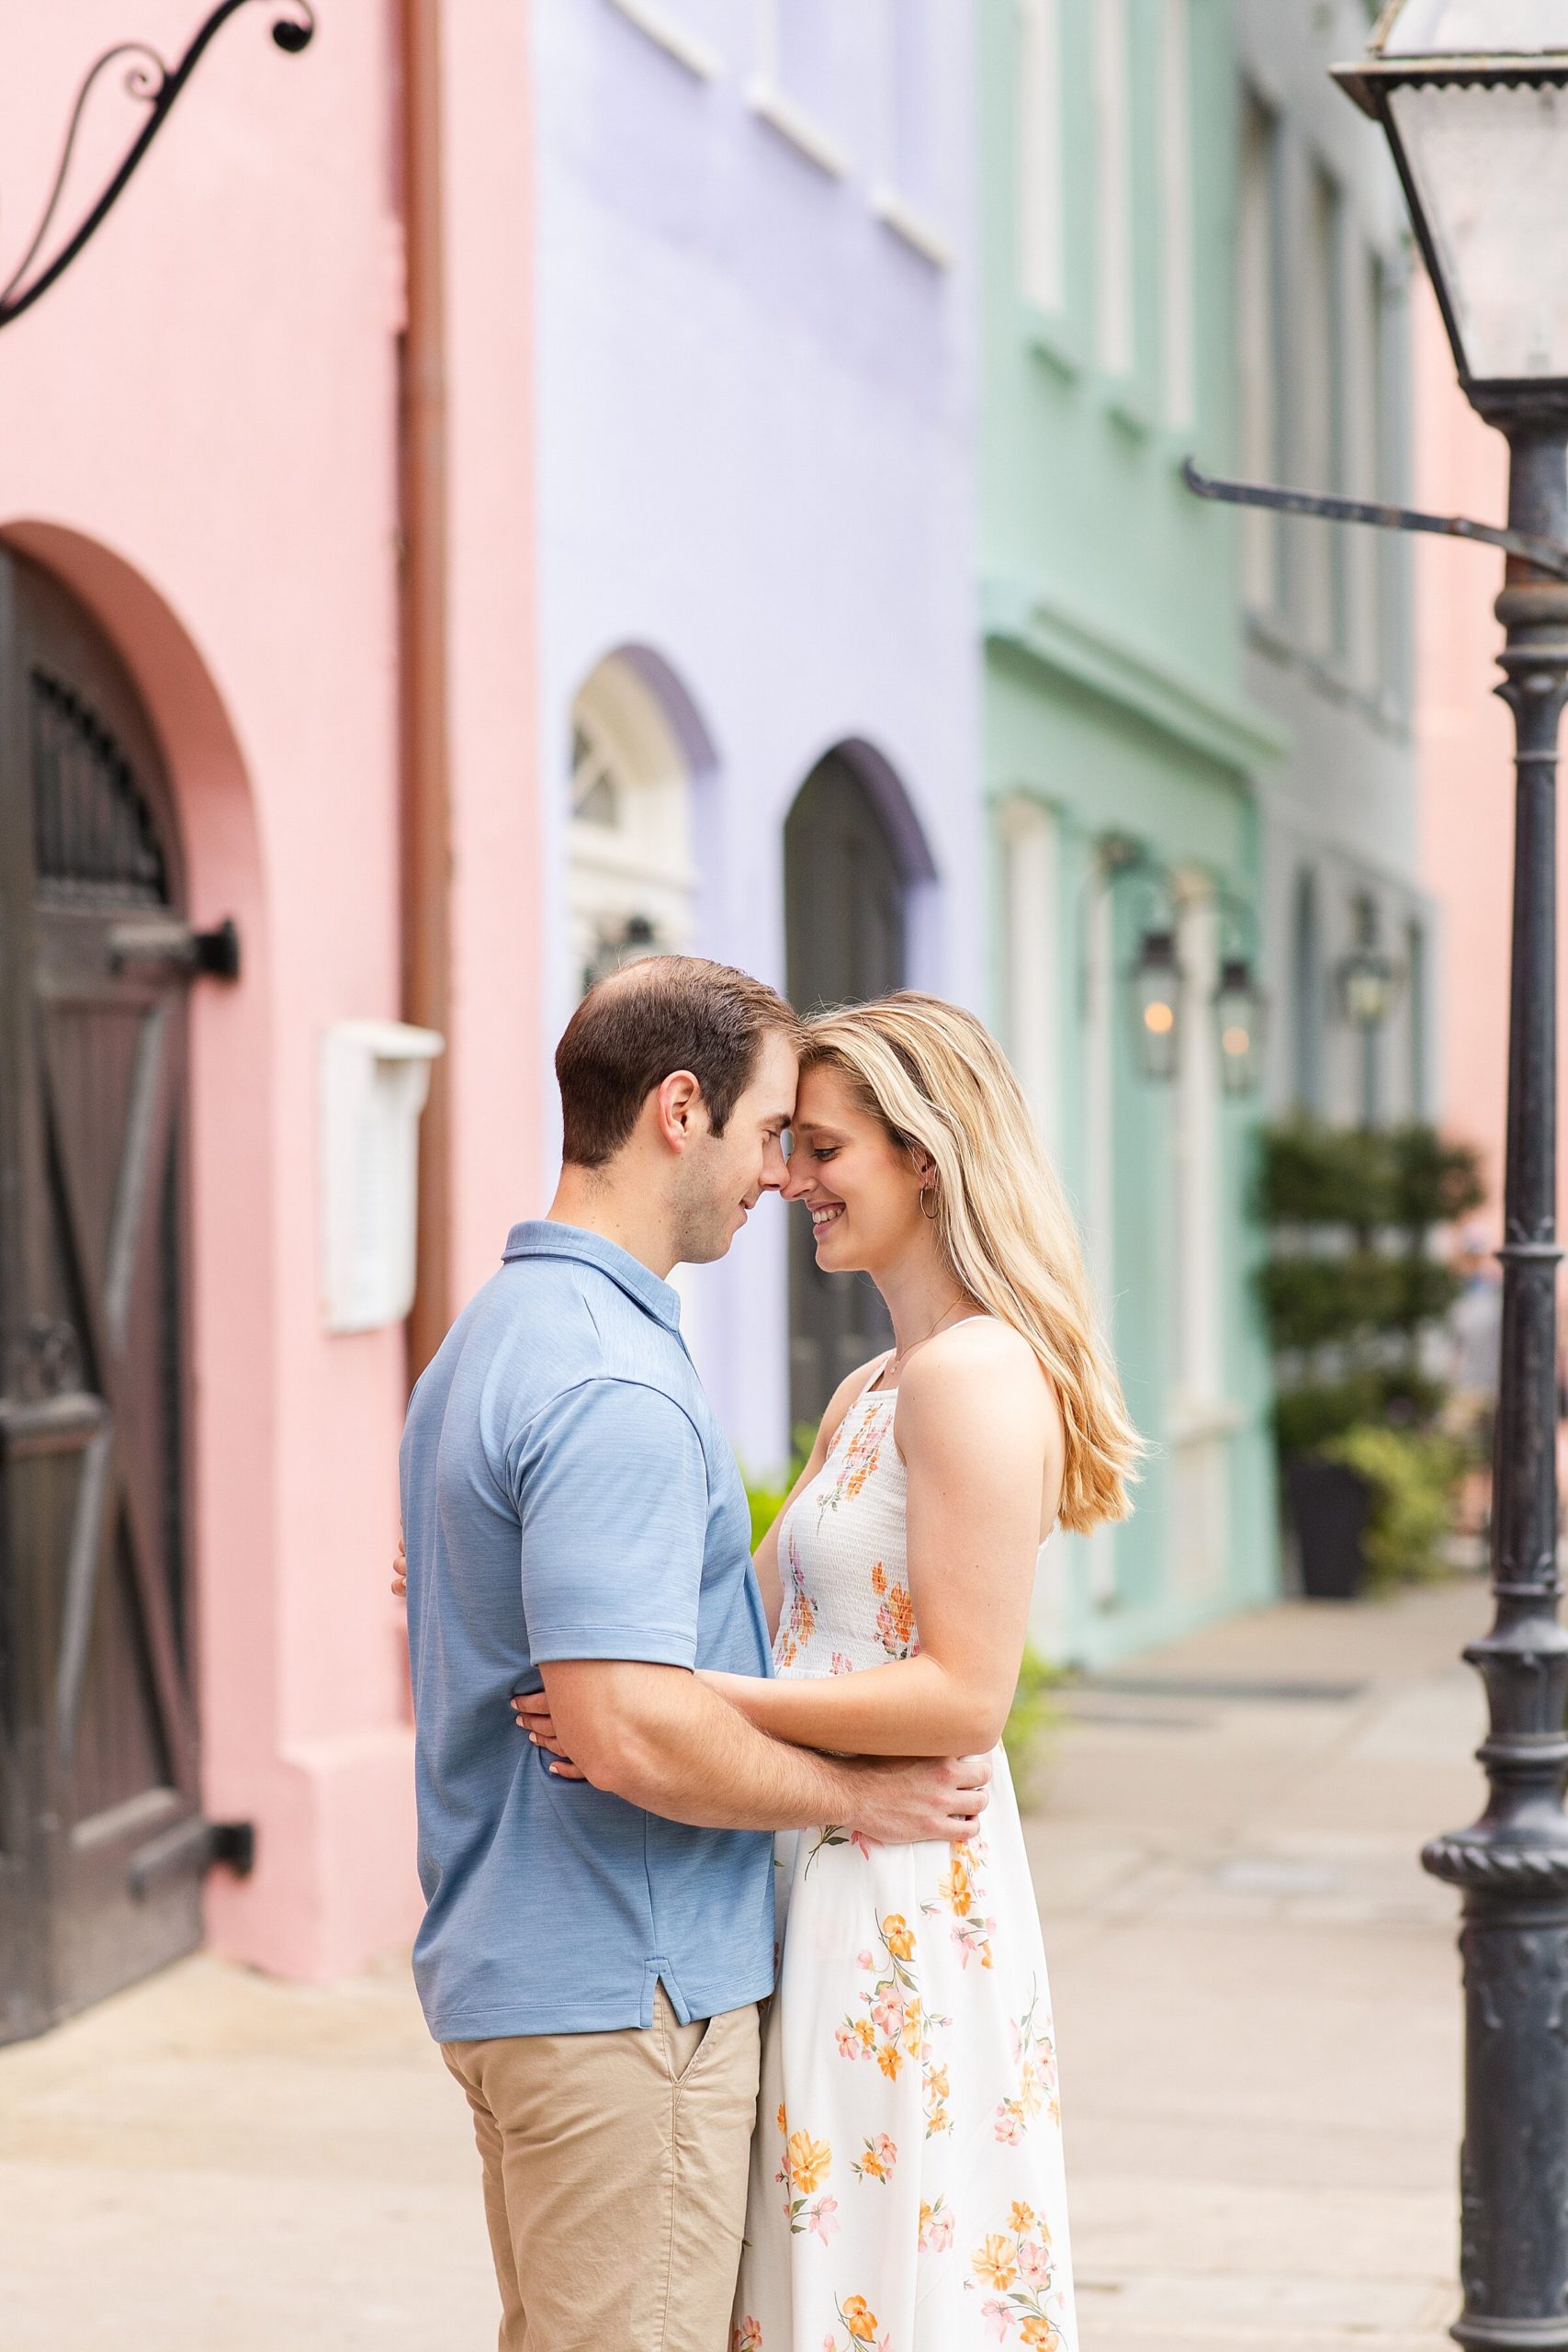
(193, 1846)
(161, 939)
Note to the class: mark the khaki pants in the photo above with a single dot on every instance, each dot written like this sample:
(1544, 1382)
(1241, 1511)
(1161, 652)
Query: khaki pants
(615, 2179)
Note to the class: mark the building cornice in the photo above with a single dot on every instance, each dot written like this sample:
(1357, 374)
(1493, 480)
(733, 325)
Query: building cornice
(1228, 730)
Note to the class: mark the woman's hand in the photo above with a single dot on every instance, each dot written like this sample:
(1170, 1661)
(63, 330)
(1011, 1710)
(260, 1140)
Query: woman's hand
(532, 1709)
(399, 1570)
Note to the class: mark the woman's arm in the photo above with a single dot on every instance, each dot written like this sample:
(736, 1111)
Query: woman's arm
(765, 1559)
(980, 1433)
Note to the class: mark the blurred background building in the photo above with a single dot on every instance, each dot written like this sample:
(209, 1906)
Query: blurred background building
(202, 653)
(756, 456)
(1323, 379)
(512, 490)
(1121, 749)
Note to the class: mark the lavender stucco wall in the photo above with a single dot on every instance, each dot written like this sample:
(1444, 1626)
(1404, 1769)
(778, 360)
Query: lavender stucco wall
(755, 458)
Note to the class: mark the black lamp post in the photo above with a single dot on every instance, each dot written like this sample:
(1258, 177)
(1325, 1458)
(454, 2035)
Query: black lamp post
(1473, 96)
(150, 83)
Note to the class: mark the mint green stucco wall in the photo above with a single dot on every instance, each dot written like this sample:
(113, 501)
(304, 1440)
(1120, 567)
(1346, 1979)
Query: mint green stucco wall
(1111, 622)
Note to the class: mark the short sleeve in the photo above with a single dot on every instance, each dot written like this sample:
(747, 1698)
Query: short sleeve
(611, 1488)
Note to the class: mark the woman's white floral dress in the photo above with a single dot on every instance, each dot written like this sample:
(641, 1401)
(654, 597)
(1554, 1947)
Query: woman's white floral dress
(907, 2187)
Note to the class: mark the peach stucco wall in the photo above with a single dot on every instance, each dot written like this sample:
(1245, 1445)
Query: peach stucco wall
(1466, 750)
(199, 430)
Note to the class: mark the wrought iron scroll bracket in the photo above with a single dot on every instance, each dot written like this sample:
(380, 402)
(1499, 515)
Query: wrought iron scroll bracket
(153, 84)
(1544, 554)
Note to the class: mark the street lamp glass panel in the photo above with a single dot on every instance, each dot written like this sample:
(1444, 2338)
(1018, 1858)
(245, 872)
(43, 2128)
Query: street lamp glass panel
(1238, 1017)
(1488, 163)
(1367, 983)
(1476, 28)
(1157, 999)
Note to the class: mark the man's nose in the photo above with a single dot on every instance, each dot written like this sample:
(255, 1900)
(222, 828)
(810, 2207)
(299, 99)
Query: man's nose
(796, 1183)
(774, 1177)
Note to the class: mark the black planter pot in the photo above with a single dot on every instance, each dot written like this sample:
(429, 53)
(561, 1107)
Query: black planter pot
(1328, 1506)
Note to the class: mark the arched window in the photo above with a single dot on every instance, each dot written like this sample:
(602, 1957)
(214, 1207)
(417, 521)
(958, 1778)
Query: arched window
(632, 881)
(845, 894)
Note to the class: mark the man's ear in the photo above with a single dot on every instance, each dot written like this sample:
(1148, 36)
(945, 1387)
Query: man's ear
(678, 1112)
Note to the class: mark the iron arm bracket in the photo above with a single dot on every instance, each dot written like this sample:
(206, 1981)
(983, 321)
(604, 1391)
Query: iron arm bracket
(1545, 554)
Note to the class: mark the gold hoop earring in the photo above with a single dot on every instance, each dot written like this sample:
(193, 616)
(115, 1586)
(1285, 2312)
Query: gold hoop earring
(929, 1214)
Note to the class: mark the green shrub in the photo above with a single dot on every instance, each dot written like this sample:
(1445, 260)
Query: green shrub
(1364, 1178)
(1313, 1174)
(1350, 1281)
(1032, 1716)
(1411, 1474)
(1305, 1418)
(766, 1497)
(1310, 1302)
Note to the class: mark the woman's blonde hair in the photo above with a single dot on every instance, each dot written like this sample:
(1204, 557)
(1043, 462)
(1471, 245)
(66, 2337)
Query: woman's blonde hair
(941, 1085)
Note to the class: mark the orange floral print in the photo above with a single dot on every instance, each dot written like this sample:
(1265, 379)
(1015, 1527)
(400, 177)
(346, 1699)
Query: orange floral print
(1034, 2055)
(856, 2314)
(881, 2156)
(747, 2337)
(960, 1891)
(936, 2227)
(1017, 2264)
(895, 1619)
(899, 2028)
(803, 2170)
(897, 1936)
(856, 1455)
(994, 2263)
(832, 1835)
(799, 1621)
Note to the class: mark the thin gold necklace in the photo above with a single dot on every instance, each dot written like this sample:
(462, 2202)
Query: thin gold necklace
(903, 1354)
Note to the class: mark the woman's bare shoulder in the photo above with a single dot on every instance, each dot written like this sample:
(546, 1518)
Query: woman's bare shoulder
(977, 1368)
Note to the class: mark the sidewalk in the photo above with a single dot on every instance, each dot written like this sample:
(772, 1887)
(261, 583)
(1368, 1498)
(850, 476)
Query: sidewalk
(1257, 1987)
(1256, 2008)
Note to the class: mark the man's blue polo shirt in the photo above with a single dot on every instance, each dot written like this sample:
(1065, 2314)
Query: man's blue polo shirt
(567, 1494)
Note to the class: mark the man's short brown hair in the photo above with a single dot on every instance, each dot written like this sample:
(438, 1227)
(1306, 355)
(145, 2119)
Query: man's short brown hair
(658, 1015)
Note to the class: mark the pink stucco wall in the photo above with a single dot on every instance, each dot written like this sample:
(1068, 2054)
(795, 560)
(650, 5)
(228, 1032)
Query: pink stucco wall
(199, 432)
(1466, 750)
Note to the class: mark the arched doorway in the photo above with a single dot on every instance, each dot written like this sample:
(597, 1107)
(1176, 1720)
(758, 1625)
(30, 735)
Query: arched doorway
(845, 907)
(101, 1843)
(633, 882)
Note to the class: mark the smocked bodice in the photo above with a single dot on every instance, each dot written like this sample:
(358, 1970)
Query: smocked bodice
(843, 1553)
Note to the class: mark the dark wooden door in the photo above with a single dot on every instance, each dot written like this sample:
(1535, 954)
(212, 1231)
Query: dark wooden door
(844, 942)
(97, 1723)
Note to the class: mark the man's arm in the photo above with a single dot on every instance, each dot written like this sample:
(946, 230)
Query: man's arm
(654, 1736)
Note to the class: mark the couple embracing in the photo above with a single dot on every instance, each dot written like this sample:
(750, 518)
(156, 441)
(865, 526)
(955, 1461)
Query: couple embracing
(735, 2091)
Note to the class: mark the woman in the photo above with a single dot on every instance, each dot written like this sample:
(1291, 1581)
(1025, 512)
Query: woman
(907, 2186)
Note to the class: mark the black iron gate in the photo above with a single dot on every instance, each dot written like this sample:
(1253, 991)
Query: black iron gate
(100, 1837)
(844, 942)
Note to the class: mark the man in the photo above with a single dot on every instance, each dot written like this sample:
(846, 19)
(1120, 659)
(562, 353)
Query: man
(593, 1952)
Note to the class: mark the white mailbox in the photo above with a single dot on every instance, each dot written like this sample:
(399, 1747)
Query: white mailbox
(375, 1076)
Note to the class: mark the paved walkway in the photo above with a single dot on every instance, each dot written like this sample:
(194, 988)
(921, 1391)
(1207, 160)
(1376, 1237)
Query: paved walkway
(1256, 2008)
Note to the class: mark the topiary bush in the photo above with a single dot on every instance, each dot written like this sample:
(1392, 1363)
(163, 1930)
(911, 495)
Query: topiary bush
(1413, 1475)
(1350, 1289)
